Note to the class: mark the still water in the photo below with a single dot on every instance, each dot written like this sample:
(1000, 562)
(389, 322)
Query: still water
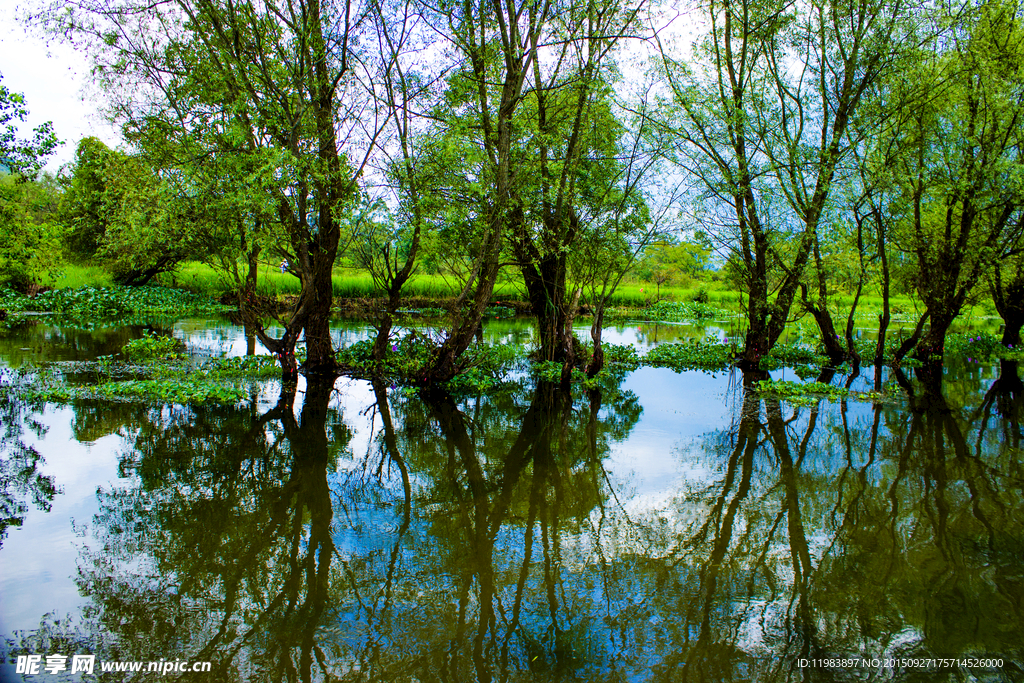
(678, 527)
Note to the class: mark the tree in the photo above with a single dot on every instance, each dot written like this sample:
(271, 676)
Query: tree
(1008, 294)
(30, 230)
(119, 210)
(28, 234)
(20, 156)
(961, 167)
(263, 76)
(526, 114)
(673, 262)
(762, 116)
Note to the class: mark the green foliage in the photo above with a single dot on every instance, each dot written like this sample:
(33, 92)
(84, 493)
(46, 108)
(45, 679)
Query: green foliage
(119, 210)
(792, 356)
(107, 302)
(979, 346)
(191, 390)
(710, 355)
(809, 393)
(676, 311)
(247, 367)
(152, 347)
(30, 235)
(667, 263)
(154, 371)
(485, 366)
(23, 157)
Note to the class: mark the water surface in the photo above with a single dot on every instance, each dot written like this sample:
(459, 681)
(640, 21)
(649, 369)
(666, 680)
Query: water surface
(677, 527)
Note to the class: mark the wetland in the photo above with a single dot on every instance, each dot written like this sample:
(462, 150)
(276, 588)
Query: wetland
(660, 524)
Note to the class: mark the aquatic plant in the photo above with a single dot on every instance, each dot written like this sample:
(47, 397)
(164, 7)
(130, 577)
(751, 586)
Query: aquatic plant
(711, 355)
(109, 301)
(809, 393)
(673, 311)
(152, 346)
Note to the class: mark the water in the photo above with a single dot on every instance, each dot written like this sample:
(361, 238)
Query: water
(675, 528)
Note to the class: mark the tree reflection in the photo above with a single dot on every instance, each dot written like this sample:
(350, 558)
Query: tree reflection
(224, 549)
(482, 539)
(894, 537)
(21, 476)
(442, 554)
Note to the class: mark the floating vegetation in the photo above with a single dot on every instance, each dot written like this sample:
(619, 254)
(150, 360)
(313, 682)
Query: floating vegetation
(153, 368)
(810, 393)
(485, 366)
(673, 312)
(109, 302)
(711, 355)
(152, 347)
(979, 347)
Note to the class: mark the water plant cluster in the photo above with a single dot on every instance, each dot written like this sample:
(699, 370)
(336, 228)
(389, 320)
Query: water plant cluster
(157, 367)
(810, 393)
(673, 312)
(487, 366)
(109, 302)
(152, 368)
(978, 347)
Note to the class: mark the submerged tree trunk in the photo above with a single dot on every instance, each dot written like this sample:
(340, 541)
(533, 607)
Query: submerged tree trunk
(1009, 301)
(885, 316)
(910, 342)
(468, 316)
(596, 329)
(932, 346)
(549, 301)
(829, 338)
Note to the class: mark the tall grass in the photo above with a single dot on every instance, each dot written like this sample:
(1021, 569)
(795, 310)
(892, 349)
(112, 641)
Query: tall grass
(355, 283)
(75, 276)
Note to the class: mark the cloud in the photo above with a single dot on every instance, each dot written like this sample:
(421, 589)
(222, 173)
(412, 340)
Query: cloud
(52, 79)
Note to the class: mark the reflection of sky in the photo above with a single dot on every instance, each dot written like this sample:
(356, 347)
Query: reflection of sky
(679, 408)
(37, 561)
(663, 455)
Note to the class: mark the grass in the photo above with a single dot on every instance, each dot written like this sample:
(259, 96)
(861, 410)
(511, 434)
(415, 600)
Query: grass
(352, 283)
(348, 283)
(75, 275)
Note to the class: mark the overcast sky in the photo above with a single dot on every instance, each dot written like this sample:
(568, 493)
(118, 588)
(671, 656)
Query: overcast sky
(52, 79)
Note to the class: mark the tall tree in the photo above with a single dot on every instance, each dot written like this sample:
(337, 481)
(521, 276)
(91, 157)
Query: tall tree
(271, 75)
(525, 99)
(961, 164)
(119, 210)
(762, 118)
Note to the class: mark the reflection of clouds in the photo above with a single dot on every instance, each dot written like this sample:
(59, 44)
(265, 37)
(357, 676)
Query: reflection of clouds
(662, 450)
(38, 560)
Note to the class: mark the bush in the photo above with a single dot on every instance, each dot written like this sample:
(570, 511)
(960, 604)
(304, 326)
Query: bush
(151, 347)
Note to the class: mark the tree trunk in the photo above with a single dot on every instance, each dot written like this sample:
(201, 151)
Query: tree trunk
(932, 346)
(319, 349)
(445, 364)
(884, 317)
(596, 328)
(545, 287)
(1009, 301)
(829, 339)
(910, 342)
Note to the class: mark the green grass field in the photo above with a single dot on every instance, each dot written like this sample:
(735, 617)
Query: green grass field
(350, 283)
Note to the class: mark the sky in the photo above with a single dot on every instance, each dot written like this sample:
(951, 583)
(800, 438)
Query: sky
(53, 80)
